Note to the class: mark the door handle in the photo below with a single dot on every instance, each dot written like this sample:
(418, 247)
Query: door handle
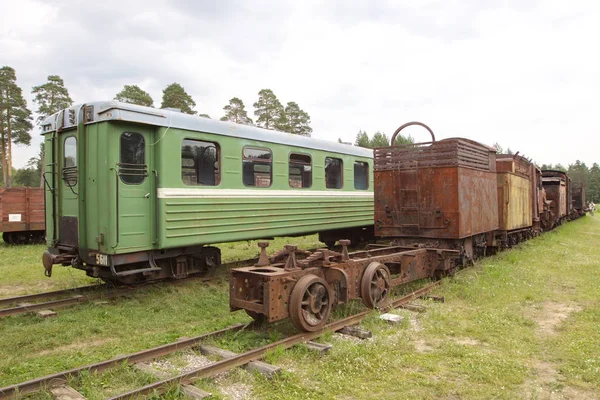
(147, 196)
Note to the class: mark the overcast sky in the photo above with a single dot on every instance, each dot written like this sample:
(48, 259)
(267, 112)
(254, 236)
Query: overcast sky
(524, 74)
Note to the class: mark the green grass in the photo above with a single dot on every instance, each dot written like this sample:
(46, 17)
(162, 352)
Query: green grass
(522, 324)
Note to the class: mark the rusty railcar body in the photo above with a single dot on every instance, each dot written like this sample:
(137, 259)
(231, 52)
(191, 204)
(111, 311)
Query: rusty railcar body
(557, 184)
(518, 205)
(22, 215)
(578, 202)
(439, 194)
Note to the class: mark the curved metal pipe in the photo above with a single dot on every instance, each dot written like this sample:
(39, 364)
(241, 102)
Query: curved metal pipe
(409, 124)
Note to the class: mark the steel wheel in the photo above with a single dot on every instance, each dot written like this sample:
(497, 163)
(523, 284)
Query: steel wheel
(310, 303)
(7, 237)
(375, 285)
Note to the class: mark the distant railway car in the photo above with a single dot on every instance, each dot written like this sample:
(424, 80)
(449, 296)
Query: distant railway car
(557, 187)
(22, 215)
(439, 193)
(138, 193)
(578, 201)
(517, 200)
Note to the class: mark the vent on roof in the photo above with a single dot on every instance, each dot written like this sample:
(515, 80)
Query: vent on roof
(172, 109)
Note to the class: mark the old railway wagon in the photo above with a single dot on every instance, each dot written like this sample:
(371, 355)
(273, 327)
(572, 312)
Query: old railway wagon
(578, 201)
(557, 185)
(518, 205)
(22, 215)
(136, 193)
(440, 193)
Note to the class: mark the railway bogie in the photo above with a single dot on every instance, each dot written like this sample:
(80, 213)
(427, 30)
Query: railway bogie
(305, 290)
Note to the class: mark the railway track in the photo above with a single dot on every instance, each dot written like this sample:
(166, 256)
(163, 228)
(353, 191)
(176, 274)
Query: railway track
(84, 294)
(206, 371)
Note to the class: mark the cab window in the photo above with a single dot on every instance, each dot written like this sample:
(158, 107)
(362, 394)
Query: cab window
(69, 171)
(257, 167)
(200, 163)
(333, 173)
(132, 162)
(300, 171)
(361, 175)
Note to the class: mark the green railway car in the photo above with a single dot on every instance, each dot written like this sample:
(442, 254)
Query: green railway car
(136, 193)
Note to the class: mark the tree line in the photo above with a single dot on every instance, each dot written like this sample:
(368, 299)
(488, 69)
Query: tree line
(269, 111)
(16, 123)
(16, 120)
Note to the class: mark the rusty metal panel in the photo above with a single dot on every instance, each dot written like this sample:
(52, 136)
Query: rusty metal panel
(21, 209)
(441, 190)
(555, 184)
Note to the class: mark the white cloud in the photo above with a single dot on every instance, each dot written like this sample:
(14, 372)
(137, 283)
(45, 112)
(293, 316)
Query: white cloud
(523, 74)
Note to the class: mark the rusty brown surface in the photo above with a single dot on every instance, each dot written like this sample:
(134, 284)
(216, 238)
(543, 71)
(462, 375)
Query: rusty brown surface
(555, 184)
(441, 190)
(269, 290)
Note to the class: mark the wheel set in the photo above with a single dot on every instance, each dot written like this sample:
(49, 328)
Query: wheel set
(312, 298)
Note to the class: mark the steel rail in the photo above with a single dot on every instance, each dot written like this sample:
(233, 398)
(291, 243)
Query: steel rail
(253, 355)
(42, 306)
(91, 288)
(45, 295)
(79, 298)
(144, 355)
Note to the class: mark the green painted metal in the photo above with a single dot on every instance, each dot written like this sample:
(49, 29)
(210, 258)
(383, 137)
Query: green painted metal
(162, 212)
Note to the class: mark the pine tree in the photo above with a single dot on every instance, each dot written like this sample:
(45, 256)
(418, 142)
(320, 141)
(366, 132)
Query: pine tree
(15, 120)
(294, 120)
(379, 139)
(579, 174)
(51, 97)
(235, 112)
(362, 139)
(134, 95)
(268, 109)
(175, 96)
(593, 191)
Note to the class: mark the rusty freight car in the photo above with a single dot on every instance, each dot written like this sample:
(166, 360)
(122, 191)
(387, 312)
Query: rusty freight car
(578, 201)
(557, 187)
(441, 194)
(22, 215)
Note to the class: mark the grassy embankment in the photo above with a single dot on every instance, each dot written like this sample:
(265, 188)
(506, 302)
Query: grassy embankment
(523, 324)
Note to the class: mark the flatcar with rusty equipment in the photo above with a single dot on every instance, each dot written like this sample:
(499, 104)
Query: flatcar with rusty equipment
(22, 215)
(442, 204)
(136, 193)
(437, 201)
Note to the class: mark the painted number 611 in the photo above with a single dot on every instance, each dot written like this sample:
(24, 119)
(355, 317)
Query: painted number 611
(101, 259)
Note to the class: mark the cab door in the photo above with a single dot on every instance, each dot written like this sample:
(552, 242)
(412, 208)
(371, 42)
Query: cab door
(68, 188)
(135, 190)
